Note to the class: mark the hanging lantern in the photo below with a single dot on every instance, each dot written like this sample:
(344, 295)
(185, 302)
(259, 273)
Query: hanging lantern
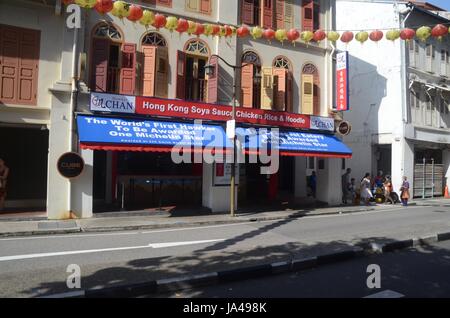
(120, 9)
(256, 32)
(333, 36)
(171, 24)
(148, 18)
(67, 2)
(242, 31)
(376, 35)
(423, 33)
(87, 4)
(392, 35)
(307, 36)
(160, 21)
(439, 31)
(281, 35)
(228, 31)
(223, 31)
(199, 29)
(182, 25)
(269, 34)
(293, 35)
(319, 36)
(208, 29)
(135, 13)
(192, 27)
(362, 37)
(215, 29)
(407, 34)
(233, 31)
(347, 36)
(103, 6)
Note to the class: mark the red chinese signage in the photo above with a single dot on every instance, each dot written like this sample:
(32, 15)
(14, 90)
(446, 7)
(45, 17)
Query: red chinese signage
(192, 110)
(342, 82)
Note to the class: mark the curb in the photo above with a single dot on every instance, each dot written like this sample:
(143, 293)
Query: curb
(40, 232)
(249, 272)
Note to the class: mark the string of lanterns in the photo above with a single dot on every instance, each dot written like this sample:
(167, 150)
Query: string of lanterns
(147, 18)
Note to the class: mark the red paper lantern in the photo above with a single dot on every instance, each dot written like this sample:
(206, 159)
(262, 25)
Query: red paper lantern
(199, 29)
(293, 35)
(243, 31)
(347, 36)
(67, 2)
(439, 31)
(135, 13)
(269, 34)
(182, 26)
(407, 34)
(216, 29)
(160, 21)
(319, 35)
(376, 35)
(103, 6)
(228, 31)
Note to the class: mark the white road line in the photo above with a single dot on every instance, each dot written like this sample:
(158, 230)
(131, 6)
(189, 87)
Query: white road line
(203, 227)
(386, 294)
(151, 245)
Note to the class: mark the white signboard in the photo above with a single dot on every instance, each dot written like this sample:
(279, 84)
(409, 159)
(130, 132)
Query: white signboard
(222, 174)
(113, 103)
(322, 123)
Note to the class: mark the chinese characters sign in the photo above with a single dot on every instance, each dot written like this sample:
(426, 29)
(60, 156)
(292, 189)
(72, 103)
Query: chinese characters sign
(342, 93)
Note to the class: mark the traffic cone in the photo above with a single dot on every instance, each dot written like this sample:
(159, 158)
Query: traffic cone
(446, 193)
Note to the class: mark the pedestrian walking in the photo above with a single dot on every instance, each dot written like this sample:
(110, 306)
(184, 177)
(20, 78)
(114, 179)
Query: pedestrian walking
(366, 194)
(4, 172)
(404, 191)
(388, 190)
(313, 183)
(345, 184)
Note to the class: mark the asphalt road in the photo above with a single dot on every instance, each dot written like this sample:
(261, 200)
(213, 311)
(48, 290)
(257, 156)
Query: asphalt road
(37, 266)
(420, 272)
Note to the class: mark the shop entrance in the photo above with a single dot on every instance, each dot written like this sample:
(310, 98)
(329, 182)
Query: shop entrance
(25, 152)
(145, 181)
(260, 189)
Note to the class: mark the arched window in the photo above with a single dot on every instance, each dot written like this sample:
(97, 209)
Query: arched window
(251, 57)
(282, 62)
(197, 47)
(108, 31)
(310, 90)
(154, 39)
(250, 87)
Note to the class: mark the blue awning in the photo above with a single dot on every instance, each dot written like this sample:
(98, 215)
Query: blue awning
(107, 133)
(292, 143)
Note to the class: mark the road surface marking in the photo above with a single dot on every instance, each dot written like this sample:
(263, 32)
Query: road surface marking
(386, 294)
(112, 249)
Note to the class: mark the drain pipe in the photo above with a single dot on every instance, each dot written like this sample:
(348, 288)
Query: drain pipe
(73, 104)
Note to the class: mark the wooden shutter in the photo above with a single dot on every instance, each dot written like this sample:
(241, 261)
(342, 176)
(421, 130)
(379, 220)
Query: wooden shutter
(247, 12)
(307, 94)
(288, 15)
(213, 81)
(267, 95)
(247, 85)
(281, 76)
(316, 98)
(19, 63)
(162, 72)
(167, 3)
(307, 15)
(128, 69)
(289, 93)
(99, 65)
(181, 75)
(267, 13)
(149, 70)
(280, 14)
(192, 5)
(9, 64)
(205, 6)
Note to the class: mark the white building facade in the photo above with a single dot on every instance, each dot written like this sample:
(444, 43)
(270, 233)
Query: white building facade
(399, 97)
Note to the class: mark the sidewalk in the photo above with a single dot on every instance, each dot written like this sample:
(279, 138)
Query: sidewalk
(143, 221)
